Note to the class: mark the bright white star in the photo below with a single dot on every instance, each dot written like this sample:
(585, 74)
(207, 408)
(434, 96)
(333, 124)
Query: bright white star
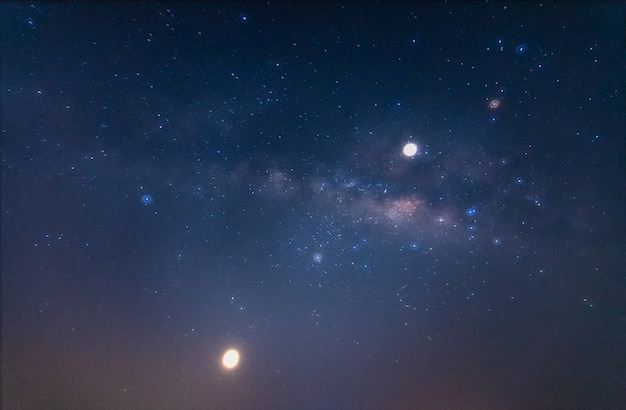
(410, 149)
(230, 359)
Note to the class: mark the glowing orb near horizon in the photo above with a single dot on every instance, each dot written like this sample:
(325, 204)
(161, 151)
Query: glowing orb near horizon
(410, 149)
(230, 359)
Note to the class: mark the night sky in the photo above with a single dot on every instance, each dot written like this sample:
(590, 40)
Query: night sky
(183, 179)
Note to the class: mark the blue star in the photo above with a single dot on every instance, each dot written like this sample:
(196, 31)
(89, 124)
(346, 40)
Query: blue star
(146, 199)
(471, 211)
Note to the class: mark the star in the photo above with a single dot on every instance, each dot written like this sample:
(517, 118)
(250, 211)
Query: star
(410, 149)
(230, 360)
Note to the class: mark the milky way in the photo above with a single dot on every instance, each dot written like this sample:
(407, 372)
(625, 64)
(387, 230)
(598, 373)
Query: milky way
(312, 206)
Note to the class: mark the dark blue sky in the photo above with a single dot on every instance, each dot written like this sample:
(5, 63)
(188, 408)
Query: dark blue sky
(181, 179)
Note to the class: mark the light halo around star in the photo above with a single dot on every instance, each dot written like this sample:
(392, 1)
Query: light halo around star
(230, 360)
(410, 149)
